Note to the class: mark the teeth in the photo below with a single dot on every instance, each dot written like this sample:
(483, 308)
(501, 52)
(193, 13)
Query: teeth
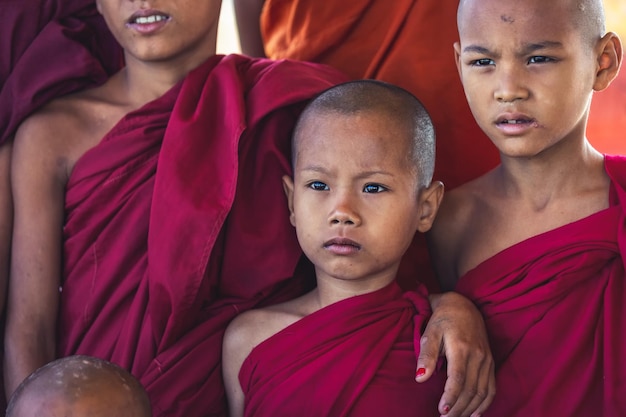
(513, 122)
(144, 20)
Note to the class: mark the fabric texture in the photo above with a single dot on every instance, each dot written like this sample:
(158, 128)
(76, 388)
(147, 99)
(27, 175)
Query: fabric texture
(176, 222)
(408, 44)
(68, 39)
(162, 245)
(555, 309)
(352, 358)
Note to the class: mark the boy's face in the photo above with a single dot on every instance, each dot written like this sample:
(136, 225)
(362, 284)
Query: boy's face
(161, 30)
(354, 199)
(527, 72)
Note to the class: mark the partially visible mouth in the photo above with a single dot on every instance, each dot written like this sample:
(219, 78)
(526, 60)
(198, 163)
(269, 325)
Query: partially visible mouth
(147, 17)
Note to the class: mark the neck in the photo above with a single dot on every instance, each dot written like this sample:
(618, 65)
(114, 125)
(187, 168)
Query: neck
(146, 81)
(553, 174)
(331, 290)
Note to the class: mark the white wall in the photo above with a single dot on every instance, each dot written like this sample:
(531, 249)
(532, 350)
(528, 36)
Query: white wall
(227, 39)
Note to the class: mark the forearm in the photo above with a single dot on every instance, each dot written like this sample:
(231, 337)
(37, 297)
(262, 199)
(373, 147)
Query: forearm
(248, 15)
(24, 353)
(6, 219)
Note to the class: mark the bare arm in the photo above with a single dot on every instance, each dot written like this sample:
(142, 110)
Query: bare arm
(457, 330)
(6, 219)
(236, 348)
(37, 181)
(248, 15)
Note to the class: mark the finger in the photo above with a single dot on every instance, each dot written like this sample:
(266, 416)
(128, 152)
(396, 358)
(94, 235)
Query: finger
(455, 397)
(490, 392)
(477, 386)
(430, 349)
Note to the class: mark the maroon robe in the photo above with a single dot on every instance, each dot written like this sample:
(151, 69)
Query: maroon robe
(555, 309)
(353, 358)
(49, 48)
(177, 221)
(162, 248)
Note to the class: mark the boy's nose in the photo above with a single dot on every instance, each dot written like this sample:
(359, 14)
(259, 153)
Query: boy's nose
(510, 87)
(344, 213)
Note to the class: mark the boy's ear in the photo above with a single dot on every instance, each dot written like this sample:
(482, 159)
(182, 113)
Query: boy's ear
(457, 57)
(430, 200)
(288, 187)
(609, 60)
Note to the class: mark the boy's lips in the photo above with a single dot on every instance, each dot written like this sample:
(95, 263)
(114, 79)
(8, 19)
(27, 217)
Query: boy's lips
(515, 123)
(147, 20)
(342, 246)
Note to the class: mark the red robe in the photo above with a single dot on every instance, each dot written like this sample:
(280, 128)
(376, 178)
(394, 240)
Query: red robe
(68, 39)
(555, 309)
(353, 358)
(162, 249)
(176, 222)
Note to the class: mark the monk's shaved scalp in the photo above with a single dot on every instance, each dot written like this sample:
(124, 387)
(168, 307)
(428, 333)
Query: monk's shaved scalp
(82, 386)
(394, 102)
(587, 16)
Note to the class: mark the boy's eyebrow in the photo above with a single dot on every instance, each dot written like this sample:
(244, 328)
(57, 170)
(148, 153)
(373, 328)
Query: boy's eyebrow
(532, 47)
(476, 48)
(365, 174)
(526, 49)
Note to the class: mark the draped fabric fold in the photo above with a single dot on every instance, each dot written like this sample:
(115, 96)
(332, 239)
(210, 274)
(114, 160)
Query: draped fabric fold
(50, 48)
(176, 222)
(352, 358)
(555, 310)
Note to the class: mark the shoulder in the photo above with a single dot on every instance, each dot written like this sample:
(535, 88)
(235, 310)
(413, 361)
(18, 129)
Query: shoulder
(62, 130)
(252, 327)
(248, 330)
(42, 138)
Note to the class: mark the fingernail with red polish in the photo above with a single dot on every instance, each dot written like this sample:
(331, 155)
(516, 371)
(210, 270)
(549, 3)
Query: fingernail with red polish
(420, 372)
(446, 408)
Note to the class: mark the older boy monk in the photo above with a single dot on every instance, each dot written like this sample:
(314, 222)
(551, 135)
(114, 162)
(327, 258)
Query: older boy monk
(153, 202)
(538, 243)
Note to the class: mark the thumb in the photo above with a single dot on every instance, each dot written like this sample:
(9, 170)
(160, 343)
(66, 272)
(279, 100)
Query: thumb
(428, 354)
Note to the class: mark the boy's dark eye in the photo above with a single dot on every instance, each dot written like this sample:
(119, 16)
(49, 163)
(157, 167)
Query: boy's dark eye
(539, 60)
(374, 188)
(318, 186)
(483, 62)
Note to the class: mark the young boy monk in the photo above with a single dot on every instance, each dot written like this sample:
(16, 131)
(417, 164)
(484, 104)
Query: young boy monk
(79, 386)
(152, 201)
(363, 156)
(537, 243)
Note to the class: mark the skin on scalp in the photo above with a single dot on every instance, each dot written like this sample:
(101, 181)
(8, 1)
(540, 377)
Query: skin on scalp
(80, 386)
(386, 100)
(587, 16)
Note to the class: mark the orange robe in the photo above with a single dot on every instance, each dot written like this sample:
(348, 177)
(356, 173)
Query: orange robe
(407, 43)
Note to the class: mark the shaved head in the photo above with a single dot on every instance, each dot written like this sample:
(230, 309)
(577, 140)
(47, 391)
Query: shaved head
(79, 386)
(587, 16)
(400, 106)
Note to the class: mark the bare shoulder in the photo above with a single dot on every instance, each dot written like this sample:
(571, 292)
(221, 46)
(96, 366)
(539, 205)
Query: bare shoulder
(64, 129)
(252, 327)
(459, 213)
